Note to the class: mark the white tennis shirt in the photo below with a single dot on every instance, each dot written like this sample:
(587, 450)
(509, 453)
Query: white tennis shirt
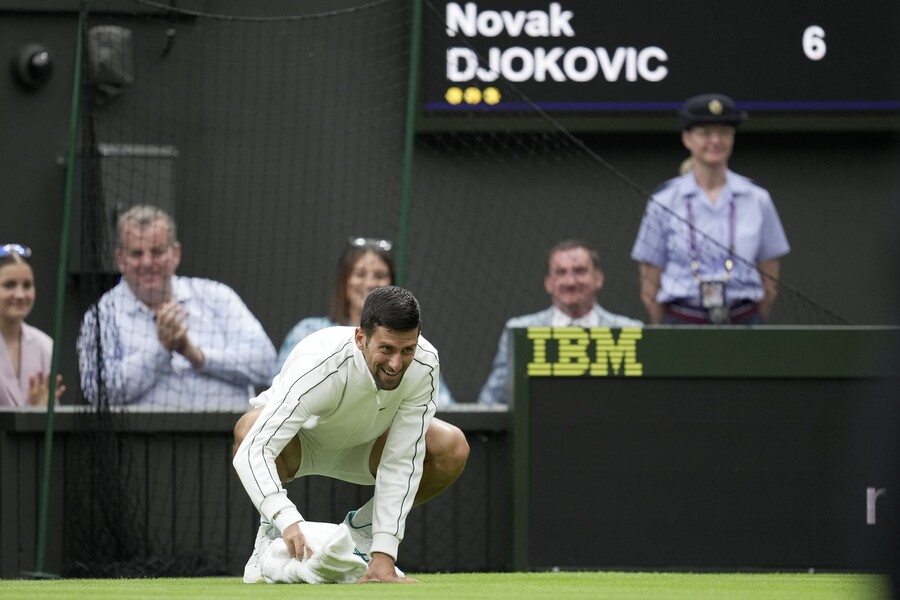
(326, 394)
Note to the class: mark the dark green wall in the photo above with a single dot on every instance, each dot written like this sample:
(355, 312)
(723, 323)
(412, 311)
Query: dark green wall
(836, 193)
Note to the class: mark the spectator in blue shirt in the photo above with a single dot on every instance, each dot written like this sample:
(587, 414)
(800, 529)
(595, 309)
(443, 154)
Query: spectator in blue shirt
(169, 342)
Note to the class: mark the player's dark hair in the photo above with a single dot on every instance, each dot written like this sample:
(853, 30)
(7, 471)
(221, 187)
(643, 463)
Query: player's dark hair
(391, 307)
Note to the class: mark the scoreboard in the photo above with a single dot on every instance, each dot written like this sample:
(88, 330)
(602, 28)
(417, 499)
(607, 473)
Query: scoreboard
(645, 57)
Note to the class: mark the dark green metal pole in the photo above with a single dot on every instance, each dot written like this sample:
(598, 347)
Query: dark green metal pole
(62, 268)
(412, 105)
(519, 458)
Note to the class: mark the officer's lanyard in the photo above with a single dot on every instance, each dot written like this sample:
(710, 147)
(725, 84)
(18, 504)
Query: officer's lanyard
(695, 263)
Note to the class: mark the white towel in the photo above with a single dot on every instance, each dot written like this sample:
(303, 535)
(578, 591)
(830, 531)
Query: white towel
(332, 559)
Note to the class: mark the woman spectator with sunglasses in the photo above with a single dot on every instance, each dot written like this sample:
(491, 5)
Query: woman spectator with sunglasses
(26, 352)
(365, 264)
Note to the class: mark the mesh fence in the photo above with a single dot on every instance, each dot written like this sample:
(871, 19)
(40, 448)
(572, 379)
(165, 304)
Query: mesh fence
(270, 141)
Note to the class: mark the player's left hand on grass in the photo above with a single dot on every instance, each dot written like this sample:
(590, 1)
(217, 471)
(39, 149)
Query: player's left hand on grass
(382, 570)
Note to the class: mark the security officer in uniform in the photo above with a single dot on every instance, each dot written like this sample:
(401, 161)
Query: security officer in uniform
(710, 244)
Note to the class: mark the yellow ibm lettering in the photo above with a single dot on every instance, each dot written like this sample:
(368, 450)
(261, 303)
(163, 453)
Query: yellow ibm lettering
(573, 356)
(611, 356)
(539, 365)
(614, 355)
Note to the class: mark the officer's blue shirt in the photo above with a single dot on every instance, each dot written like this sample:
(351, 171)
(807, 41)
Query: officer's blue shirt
(664, 238)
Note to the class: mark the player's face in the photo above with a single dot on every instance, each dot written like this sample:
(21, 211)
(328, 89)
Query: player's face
(16, 292)
(573, 281)
(147, 261)
(388, 354)
(709, 144)
(369, 272)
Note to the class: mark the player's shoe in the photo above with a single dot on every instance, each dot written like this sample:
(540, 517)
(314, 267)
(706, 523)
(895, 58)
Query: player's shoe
(362, 540)
(267, 532)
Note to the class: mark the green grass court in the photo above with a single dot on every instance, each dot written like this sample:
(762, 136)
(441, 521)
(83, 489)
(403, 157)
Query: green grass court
(496, 586)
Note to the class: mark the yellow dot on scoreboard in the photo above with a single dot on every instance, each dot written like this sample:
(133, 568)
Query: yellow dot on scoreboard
(472, 95)
(491, 95)
(454, 95)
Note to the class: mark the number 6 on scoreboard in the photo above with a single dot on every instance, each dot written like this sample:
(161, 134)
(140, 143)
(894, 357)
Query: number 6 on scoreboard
(814, 42)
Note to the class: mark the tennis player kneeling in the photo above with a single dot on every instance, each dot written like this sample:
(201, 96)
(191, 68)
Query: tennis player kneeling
(356, 404)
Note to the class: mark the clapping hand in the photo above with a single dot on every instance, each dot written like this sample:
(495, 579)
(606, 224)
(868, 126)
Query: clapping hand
(172, 331)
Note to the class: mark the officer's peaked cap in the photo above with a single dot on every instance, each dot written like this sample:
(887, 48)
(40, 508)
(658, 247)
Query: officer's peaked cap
(710, 108)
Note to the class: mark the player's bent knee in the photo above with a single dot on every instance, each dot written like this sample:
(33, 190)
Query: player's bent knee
(461, 449)
(446, 447)
(459, 446)
(242, 426)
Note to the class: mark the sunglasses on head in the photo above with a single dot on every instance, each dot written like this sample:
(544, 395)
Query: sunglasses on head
(365, 242)
(7, 249)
